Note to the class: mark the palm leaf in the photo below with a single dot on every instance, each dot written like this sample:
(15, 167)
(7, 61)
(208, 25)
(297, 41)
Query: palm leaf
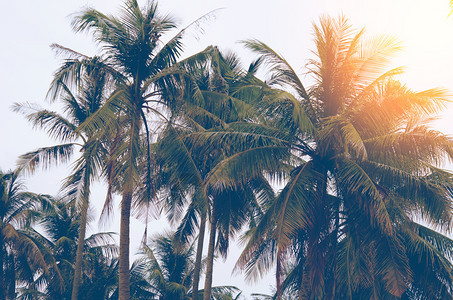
(45, 157)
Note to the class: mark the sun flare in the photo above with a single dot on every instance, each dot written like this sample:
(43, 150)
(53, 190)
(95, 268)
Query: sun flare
(425, 30)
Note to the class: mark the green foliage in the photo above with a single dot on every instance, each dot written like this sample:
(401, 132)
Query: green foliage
(363, 189)
(22, 256)
(344, 220)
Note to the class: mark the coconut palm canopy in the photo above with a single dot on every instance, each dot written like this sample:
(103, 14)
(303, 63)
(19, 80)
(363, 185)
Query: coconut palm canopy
(363, 154)
(349, 139)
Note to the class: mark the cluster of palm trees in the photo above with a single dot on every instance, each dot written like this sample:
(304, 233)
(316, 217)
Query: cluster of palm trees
(363, 200)
(39, 264)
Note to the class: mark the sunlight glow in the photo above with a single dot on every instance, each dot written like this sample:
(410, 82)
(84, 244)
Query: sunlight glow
(425, 30)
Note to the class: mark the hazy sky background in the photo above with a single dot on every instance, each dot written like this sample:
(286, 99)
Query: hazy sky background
(26, 62)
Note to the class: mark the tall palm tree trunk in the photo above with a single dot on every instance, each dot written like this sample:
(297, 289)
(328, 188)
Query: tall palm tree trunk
(79, 252)
(278, 276)
(197, 266)
(334, 251)
(2, 277)
(124, 280)
(126, 202)
(210, 263)
(301, 293)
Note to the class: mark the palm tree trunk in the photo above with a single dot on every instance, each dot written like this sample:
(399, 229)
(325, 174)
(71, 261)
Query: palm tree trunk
(334, 251)
(11, 293)
(2, 277)
(301, 291)
(197, 266)
(124, 280)
(302, 295)
(210, 263)
(278, 276)
(128, 189)
(79, 252)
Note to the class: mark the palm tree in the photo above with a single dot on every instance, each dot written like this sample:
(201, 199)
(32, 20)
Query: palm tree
(61, 228)
(188, 158)
(90, 85)
(147, 78)
(99, 278)
(169, 267)
(363, 162)
(21, 258)
(60, 225)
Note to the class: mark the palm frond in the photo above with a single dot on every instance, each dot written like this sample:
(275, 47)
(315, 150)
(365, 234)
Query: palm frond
(357, 182)
(45, 157)
(283, 73)
(56, 125)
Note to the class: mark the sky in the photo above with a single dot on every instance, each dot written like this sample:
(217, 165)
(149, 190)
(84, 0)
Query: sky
(27, 63)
